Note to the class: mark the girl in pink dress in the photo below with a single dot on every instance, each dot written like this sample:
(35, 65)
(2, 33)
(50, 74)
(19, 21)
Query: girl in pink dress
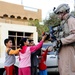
(25, 55)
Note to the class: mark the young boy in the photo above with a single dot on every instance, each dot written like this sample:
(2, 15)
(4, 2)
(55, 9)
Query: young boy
(42, 63)
(10, 57)
(34, 59)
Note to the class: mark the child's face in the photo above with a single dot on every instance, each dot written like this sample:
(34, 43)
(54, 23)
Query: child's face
(9, 44)
(32, 43)
(26, 43)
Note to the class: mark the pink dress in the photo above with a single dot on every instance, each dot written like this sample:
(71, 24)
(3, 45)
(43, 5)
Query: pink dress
(25, 58)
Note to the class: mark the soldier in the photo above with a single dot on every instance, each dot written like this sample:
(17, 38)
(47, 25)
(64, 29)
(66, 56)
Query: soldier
(66, 63)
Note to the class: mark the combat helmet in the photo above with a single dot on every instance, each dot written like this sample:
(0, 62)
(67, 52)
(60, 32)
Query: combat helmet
(61, 8)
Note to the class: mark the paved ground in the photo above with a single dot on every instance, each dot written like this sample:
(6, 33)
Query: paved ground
(48, 74)
(53, 73)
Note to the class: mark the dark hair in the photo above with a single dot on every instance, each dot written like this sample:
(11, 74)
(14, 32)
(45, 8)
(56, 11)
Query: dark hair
(21, 43)
(30, 40)
(7, 40)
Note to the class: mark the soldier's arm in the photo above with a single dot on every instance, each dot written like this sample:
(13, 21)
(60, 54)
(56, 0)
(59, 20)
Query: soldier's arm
(71, 38)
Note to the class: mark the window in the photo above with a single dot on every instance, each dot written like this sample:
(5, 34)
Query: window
(5, 15)
(18, 17)
(16, 36)
(36, 20)
(46, 45)
(51, 53)
(12, 33)
(29, 35)
(12, 16)
(25, 18)
(30, 18)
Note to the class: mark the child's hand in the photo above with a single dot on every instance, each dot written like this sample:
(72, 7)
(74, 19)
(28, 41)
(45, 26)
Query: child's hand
(39, 57)
(44, 37)
(19, 49)
(50, 48)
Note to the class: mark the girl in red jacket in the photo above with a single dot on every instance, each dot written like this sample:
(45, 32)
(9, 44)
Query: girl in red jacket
(42, 63)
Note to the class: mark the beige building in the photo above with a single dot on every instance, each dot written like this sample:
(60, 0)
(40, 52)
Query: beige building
(14, 24)
(18, 14)
(14, 20)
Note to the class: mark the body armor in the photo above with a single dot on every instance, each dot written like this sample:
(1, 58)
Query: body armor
(65, 30)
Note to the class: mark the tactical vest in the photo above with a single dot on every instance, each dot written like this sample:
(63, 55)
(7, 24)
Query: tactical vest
(65, 29)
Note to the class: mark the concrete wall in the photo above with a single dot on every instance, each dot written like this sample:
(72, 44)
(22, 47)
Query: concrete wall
(5, 27)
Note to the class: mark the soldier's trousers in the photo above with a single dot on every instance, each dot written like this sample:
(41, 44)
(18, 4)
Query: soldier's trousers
(66, 61)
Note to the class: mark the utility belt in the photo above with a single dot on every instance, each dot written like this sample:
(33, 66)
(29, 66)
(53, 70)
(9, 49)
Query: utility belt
(71, 44)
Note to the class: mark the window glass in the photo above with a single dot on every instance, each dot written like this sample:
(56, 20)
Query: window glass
(16, 37)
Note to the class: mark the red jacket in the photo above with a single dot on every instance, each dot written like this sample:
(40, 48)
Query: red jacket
(42, 64)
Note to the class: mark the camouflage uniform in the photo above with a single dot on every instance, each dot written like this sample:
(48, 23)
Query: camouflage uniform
(66, 62)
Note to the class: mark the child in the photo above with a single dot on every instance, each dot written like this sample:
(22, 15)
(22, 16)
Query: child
(34, 59)
(42, 63)
(25, 55)
(9, 57)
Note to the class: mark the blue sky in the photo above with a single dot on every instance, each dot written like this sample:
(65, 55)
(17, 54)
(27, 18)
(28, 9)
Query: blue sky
(45, 5)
